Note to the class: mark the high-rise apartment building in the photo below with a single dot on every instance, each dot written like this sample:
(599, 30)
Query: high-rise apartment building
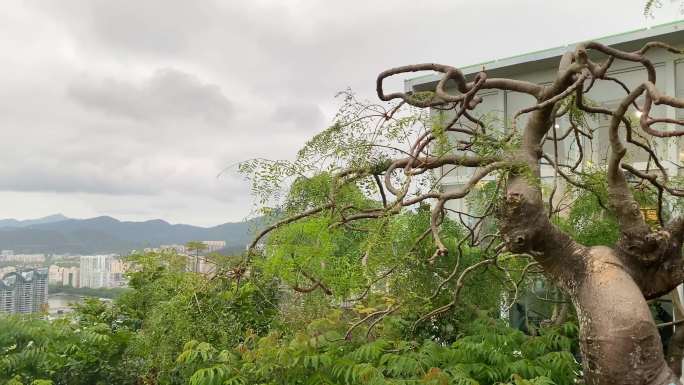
(71, 276)
(24, 291)
(117, 271)
(65, 276)
(55, 274)
(95, 271)
(101, 271)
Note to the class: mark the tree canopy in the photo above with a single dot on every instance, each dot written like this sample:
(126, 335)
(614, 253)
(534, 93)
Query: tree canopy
(399, 152)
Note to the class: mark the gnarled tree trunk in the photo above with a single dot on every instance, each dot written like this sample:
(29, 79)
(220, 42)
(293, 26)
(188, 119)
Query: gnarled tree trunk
(608, 286)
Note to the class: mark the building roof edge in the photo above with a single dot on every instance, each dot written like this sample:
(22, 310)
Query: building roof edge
(622, 37)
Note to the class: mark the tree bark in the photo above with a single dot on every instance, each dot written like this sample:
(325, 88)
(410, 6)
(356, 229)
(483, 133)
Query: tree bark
(675, 352)
(619, 340)
(618, 337)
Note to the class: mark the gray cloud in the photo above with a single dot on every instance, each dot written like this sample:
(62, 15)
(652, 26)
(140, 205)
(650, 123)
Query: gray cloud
(150, 26)
(150, 175)
(303, 116)
(134, 107)
(167, 94)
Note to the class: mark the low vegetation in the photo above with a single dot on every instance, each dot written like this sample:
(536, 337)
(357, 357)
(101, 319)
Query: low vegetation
(87, 291)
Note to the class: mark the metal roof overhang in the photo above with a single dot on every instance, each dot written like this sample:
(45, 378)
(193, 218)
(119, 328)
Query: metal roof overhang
(671, 33)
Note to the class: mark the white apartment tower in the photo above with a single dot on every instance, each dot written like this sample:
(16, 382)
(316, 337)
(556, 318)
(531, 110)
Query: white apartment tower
(95, 270)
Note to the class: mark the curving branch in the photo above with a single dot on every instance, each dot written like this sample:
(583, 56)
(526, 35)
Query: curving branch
(374, 317)
(622, 200)
(286, 221)
(449, 74)
(457, 290)
(317, 283)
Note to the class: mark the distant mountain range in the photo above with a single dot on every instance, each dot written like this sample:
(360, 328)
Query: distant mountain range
(25, 223)
(59, 234)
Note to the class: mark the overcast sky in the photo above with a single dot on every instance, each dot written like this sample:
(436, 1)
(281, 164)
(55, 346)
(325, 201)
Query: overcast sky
(132, 108)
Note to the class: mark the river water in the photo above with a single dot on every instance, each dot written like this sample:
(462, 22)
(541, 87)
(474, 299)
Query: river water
(60, 303)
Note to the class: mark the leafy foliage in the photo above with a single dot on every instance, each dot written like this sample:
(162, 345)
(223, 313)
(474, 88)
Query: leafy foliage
(172, 306)
(589, 224)
(36, 351)
(490, 353)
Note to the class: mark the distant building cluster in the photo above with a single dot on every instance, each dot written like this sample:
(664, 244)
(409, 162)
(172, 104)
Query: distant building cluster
(210, 247)
(65, 276)
(97, 271)
(100, 271)
(26, 259)
(24, 291)
(93, 271)
(196, 261)
(214, 246)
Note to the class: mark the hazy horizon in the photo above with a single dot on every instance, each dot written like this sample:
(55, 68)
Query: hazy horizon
(67, 217)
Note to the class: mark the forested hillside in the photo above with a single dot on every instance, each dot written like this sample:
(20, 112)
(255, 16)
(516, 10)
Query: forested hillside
(109, 235)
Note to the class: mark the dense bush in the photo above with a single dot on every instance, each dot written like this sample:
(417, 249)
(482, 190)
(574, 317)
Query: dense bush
(62, 351)
(490, 353)
(175, 327)
(88, 291)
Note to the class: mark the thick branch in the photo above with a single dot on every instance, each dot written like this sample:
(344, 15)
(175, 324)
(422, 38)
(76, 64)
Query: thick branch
(626, 207)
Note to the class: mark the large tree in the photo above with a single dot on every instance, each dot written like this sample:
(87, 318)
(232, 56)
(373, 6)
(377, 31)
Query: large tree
(609, 285)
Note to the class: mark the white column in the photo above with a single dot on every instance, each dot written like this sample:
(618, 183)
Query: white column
(671, 113)
(501, 106)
